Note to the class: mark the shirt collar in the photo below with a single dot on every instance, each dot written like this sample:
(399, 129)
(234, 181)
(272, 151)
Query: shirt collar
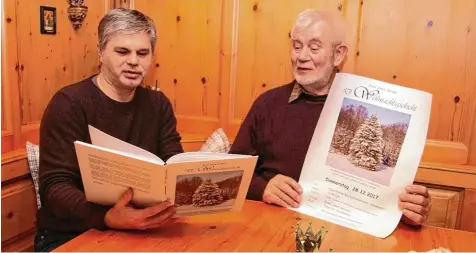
(297, 91)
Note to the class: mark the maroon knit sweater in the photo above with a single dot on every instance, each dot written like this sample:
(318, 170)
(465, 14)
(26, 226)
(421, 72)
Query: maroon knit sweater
(147, 121)
(279, 133)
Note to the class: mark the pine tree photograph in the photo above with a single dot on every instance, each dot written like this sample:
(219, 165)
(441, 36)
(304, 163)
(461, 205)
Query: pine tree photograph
(367, 140)
(209, 190)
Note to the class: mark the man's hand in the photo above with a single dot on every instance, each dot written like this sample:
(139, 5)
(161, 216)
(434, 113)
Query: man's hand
(284, 191)
(415, 204)
(124, 216)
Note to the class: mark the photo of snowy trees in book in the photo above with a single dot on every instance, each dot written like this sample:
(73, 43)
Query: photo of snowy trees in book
(207, 190)
(367, 140)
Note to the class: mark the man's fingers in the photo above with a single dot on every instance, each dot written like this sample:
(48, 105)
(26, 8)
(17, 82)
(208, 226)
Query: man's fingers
(293, 184)
(414, 217)
(414, 198)
(284, 197)
(153, 210)
(125, 198)
(414, 208)
(159, 219)
(271, 198)
(417, 189)
(278, 201)
(289, 191)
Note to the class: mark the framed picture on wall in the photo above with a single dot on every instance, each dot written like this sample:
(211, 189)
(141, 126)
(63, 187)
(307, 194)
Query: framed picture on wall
(47, 20)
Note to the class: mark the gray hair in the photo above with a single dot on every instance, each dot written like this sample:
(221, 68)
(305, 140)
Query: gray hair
(125, 20)
(310, 17)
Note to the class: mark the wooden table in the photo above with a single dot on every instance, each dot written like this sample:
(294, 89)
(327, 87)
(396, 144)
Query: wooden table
(261, 227)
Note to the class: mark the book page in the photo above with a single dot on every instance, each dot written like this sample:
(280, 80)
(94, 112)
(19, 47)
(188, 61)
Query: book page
(202, 156)
(204, 187)
(104, 140)
(107, 174)
(365, 150)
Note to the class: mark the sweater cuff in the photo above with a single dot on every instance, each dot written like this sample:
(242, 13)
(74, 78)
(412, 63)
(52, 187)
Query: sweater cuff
(257, 187)
(98, 213)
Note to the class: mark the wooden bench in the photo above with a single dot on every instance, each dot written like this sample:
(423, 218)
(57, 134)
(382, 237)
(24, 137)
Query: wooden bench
(18, 203)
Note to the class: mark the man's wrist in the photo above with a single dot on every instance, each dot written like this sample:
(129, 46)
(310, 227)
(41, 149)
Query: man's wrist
(108, 221)
(268, 176)
(409, 222)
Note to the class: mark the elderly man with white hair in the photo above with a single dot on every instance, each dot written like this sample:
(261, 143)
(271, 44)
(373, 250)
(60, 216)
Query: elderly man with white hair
(281, 122)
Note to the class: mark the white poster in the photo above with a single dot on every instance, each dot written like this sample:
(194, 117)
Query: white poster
(365, 150)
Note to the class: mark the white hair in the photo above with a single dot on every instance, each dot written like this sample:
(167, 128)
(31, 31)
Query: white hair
(310, 17)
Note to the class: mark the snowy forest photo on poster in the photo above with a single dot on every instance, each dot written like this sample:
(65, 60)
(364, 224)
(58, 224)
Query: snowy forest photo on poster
(367, 140)
(206, 190)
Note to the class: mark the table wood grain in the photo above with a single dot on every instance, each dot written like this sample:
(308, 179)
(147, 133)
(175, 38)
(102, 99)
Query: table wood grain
(262, 227)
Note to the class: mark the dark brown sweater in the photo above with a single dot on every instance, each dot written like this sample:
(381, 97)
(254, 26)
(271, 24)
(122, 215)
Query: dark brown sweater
(279, 133)
(147, 121)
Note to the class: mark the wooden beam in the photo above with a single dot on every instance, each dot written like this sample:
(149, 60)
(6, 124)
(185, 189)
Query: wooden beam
(445, 152)
(447, 175)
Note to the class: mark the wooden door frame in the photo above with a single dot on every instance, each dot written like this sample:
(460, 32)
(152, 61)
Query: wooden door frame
(128, 4)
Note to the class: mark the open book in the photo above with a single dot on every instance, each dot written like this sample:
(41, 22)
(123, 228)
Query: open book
(196, 182)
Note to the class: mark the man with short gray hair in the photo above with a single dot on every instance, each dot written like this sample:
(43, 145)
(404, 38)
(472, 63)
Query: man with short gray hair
(281, 122)
(114, 102)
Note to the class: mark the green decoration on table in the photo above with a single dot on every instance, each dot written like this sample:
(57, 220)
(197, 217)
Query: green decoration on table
(309, 242)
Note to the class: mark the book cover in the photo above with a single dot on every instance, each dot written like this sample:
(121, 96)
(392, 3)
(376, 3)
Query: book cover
(196, 182)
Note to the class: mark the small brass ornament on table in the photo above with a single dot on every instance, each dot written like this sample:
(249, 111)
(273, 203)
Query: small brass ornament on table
(309, 242)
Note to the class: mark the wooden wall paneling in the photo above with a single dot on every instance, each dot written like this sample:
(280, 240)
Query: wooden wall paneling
(192, 142)
(122, 3)
(228, 60)
(467, 109)
(468, 215)
(43, 74)
(263, 48)
(10, 67)
(445, 207)
(85, 59)
(3, 112)
(453, 192)
(187, 59)
(471, 61)
(351, 14)
(60, 60)
(472, 147)
(108, 5)
(428, 49)
(4, 127)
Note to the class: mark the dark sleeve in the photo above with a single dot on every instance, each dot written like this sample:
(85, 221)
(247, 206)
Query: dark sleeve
(59, 175)
(169, 138)
(245, 143)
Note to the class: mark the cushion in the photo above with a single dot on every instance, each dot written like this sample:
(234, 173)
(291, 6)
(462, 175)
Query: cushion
(33, 155)
(217, 142)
